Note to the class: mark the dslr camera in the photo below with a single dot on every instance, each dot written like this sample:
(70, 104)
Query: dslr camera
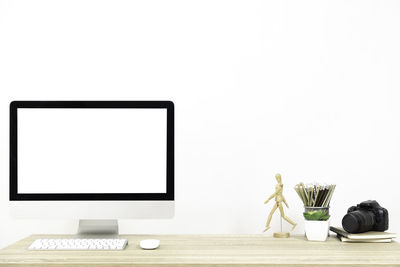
(366, 216)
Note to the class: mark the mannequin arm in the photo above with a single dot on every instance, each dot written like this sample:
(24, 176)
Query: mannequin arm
(273, 195)
(284, 201)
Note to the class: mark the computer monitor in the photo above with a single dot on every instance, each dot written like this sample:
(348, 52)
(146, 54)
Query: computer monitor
(92, 159)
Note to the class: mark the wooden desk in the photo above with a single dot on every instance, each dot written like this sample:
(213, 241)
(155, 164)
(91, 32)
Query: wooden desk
(211, 250)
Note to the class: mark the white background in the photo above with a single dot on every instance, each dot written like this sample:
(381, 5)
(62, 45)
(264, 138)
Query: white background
(92, 150)
(309, 89)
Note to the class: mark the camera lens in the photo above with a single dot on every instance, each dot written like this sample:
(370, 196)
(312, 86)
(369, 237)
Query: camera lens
(358, 221)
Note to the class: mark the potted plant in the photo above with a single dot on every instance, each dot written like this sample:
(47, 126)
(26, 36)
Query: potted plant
(316, 225)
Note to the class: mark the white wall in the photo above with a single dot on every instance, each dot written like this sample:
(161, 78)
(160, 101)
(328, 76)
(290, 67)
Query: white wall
(306, 88)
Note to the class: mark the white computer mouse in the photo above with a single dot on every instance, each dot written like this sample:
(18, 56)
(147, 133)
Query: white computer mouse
(149, 243)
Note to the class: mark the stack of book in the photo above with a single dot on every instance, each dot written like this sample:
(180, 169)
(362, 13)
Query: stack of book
(367, 237)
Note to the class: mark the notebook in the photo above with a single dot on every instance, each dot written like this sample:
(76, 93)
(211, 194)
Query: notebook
(348, 240)
(363, 236)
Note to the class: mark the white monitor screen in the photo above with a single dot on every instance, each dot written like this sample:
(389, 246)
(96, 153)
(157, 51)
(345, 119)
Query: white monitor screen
(92, 150)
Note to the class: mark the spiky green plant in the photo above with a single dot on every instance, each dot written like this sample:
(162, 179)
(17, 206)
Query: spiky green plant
(316, 215)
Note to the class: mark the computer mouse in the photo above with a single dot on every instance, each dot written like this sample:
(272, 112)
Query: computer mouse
(149, 243)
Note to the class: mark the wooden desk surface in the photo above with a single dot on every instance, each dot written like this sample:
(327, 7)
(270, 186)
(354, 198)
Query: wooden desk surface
(211, 250)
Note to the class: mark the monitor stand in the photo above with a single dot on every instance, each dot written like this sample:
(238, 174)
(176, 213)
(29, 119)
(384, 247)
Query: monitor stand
(98, 229)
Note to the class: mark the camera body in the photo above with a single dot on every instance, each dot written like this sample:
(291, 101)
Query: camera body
(366, 216)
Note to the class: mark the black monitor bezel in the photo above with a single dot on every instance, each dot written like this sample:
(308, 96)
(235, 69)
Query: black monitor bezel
(15, 196)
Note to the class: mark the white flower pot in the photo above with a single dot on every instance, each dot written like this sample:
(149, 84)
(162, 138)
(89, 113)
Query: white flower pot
(316, 230)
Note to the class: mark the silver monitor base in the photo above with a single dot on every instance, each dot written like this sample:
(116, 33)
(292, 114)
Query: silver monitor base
(98, 229)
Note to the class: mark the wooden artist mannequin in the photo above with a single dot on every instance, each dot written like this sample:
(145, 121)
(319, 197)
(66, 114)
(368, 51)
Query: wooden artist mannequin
(279, 198)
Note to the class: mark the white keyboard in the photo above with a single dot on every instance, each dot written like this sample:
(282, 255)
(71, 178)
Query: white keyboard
(78, 244)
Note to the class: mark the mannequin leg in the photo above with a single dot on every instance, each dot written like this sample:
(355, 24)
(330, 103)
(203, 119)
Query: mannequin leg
(286, 218)
(267, 226)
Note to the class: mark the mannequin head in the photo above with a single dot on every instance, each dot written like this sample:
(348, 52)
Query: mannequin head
(278, 178)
